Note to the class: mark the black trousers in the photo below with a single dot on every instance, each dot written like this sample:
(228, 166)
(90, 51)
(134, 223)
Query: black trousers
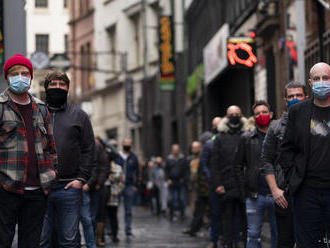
(233, 212)
(201, 205)
(112, 213)
(285, 226)
(27, 211)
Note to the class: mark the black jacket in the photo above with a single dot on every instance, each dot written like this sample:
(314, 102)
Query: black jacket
(223, 155)
(74, 141)
(130, 168)
(248, 162)
(101, 168)
(177, 170)
(271, 149)
(222, 163)
(295, 148)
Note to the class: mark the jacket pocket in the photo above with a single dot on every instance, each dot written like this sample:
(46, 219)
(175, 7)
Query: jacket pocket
(8, 135)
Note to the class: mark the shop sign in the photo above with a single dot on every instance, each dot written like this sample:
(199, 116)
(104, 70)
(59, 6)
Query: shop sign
(241, 51)
(215, 54)
(166, 54)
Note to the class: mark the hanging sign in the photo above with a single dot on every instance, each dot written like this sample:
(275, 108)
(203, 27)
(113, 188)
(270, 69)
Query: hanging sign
(129, 95)
(166, 53)
(241, 51)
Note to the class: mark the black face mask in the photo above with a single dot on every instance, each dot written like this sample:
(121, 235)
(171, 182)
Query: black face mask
(56, 97)
(126, 148)
(233, 119)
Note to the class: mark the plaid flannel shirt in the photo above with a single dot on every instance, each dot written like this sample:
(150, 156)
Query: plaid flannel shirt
(14, 146)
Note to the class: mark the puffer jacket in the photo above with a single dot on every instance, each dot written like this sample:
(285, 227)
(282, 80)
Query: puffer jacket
(223, 155)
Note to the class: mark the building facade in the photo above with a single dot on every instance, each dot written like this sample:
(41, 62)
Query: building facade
(46, 34)
(81, 50)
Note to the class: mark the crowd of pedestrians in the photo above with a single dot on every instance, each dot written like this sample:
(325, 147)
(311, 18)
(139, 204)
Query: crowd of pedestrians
(55, 175)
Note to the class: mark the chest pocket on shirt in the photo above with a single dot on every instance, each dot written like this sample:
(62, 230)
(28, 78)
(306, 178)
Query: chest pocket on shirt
(8, 135)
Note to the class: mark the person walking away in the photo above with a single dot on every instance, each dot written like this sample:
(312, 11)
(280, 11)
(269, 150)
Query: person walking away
(28, 157)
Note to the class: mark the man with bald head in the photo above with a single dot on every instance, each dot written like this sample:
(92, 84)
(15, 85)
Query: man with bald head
(305, 160)
(223, 178)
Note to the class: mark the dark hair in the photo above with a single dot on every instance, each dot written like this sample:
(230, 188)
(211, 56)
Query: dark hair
(56, 75)
(260, 102)
(294, 85)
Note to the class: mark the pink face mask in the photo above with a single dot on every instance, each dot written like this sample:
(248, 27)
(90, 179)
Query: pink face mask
(263, 120)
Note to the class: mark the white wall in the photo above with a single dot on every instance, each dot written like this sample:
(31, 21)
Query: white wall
(52, 20)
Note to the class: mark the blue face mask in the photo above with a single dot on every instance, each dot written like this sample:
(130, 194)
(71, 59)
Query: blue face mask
(19, 84)
(290, 103)
(321, 89)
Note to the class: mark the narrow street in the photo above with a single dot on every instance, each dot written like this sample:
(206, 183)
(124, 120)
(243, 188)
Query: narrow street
(157, 232)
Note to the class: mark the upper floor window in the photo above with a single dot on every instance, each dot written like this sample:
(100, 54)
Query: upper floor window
(41, 4)
(65, 4)
(42, 43)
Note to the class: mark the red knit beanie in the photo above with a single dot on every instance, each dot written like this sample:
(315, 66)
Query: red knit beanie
(18, 59)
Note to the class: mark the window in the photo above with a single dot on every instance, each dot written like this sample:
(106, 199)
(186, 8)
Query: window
(112, 40)
(42, 43)
(137, 36)
(41, 3)
(65, 4)
(112, 133)
(66, 43)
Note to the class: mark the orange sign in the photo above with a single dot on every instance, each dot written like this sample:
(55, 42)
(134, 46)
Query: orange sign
(166, 54)
(241, 52)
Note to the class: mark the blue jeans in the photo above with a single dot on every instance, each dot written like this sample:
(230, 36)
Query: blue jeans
(311, 210)
(255, 209)
(177, 199)
(94, 205)
(86, 220)
(128, 202)
(215, 229)
(64, 205)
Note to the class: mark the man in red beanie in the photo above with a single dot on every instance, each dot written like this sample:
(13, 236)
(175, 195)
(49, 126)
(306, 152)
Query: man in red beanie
(27, 157)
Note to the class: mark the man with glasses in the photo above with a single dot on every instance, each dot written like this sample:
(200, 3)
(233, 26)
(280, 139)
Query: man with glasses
(293, 93)
(27, 157)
